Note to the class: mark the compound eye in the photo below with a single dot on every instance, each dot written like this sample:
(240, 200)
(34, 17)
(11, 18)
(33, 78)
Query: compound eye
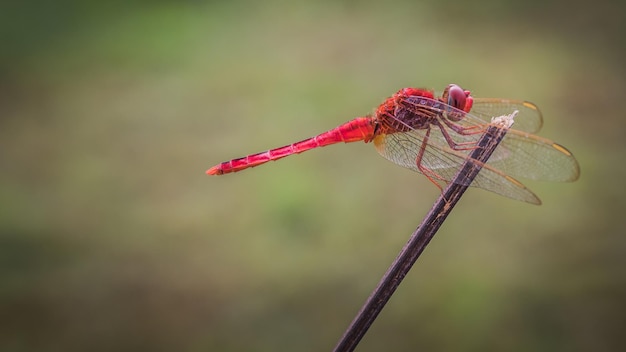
(456, 97)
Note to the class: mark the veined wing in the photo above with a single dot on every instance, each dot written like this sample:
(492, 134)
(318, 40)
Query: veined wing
(528, 118)
(520, 154)
(403, 148)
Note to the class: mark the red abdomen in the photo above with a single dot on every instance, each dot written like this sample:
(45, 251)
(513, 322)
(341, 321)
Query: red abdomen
(359, 129)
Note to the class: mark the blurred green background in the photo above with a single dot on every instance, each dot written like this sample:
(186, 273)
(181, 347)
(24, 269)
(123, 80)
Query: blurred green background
(112, 238)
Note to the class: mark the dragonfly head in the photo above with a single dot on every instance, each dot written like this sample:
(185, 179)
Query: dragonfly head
(458, 98)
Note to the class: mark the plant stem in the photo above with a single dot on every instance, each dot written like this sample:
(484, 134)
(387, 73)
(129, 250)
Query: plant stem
(424, 233)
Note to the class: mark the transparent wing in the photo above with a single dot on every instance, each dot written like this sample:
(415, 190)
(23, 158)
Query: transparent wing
(403, 149)
(525, 155)
(528, 118)
(520, 154)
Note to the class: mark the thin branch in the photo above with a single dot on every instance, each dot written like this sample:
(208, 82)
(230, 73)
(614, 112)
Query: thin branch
(424, 233)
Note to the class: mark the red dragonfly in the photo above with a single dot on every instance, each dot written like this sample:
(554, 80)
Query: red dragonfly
(434, 136)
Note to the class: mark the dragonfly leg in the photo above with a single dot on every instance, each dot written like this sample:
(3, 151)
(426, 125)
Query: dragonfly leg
(454, 145)
(465, 130)
(430, 174)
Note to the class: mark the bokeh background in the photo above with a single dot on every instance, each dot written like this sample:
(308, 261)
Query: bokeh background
(112, 238)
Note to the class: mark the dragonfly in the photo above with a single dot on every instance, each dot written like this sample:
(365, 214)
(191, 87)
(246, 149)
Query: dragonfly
(433, 134)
